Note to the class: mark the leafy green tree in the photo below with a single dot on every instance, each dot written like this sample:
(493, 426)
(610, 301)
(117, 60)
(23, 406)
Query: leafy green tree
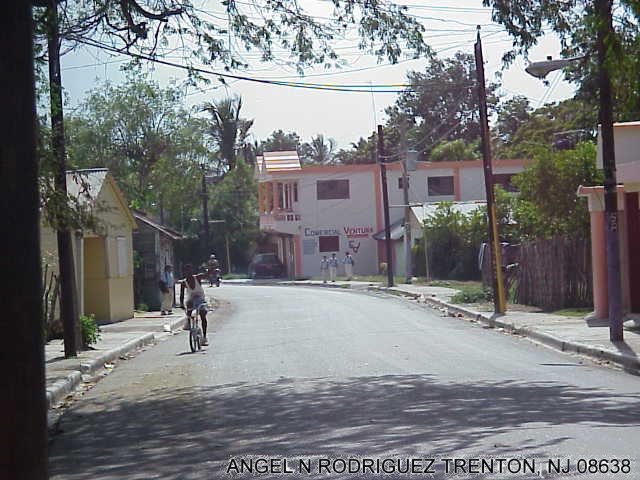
(454, 242)
(280, 141)
(576, 22)
(547, 127)
(362, 151)
(441, 105)
(547, 204)
(151, 145)
(234, 200)
(512, 114)
(455, 150)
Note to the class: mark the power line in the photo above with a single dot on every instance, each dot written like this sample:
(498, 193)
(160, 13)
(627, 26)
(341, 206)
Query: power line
(360, 88)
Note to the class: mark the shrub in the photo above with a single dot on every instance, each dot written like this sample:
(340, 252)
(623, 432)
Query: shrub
(90, 330)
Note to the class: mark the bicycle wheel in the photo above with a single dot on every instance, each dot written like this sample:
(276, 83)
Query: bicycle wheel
(193, 341)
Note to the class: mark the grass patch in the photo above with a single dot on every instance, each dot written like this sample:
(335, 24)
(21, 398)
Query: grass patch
(234, 276)
(470, 292)
(573, 312)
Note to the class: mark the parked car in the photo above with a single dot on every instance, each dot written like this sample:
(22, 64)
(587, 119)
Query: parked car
(266, 265)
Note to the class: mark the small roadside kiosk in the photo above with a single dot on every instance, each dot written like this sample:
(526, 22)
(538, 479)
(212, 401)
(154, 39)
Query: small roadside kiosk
(103, 259)
(627, 151)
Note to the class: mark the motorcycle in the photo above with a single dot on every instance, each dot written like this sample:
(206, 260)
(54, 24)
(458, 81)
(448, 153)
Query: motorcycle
(215, 276)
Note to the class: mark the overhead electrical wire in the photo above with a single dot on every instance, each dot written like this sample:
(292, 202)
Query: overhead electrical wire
(361, 88)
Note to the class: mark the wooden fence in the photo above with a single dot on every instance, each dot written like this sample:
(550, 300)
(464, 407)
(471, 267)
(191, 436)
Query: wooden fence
(554, 274)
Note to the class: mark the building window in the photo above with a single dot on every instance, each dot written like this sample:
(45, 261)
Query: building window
(295, 192)
(333, 189)
(440, 186)
(504, 180)
(401, 182)
(329, 244)
(122, 255)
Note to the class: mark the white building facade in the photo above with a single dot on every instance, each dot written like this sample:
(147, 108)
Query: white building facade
(312, 211)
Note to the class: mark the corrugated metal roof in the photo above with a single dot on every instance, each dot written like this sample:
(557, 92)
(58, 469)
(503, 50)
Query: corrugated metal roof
(397, 231)
(429, 209)
(286, 161)
(169, 232)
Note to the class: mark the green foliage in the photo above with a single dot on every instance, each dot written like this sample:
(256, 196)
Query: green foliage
(548, 205)
(90, 330)
(441, 106)
(455, 150)
(234, 200)
(228, 130)
(142, 307)
(386, 30)
(453, 242)
(542, 129)
(280, 141)
(472, 294)
(576, 23)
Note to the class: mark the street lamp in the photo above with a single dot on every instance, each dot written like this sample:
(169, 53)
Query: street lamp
(540, 69)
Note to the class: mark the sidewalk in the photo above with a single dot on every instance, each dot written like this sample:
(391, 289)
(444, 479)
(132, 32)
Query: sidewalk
(567, 334)
(117, 340)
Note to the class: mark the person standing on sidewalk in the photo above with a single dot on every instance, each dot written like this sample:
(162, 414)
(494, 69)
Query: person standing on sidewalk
(333, 267)
(324, 268)
(167, 283)
(348, 265)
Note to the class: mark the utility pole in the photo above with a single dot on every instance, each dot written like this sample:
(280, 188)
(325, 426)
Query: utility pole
(23, 403)
(408, 270)
(604, 35)
(499, 300)
(385, 206)
(205, 211)
(68, 307)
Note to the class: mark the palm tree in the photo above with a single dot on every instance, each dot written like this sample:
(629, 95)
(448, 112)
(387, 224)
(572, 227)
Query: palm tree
(227, 129)
(320, 150)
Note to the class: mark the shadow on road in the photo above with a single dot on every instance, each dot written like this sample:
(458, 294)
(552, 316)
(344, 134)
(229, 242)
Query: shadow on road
(192, 433)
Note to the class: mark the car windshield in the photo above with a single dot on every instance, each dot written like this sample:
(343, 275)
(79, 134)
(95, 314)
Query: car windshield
(266, 258)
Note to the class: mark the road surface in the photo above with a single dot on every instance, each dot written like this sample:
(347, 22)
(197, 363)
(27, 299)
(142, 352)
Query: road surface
(326, 380)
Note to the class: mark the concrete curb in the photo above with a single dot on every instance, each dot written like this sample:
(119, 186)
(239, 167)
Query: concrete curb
(627, 362)
(62, 388)
(110, 355)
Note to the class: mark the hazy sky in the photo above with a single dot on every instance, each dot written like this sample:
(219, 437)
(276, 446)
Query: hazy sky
(450, 27)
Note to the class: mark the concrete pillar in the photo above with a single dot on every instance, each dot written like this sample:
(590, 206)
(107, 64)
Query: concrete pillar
(599, 264)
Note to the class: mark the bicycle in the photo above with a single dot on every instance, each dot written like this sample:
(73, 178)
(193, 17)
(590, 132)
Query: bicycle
(195, 331)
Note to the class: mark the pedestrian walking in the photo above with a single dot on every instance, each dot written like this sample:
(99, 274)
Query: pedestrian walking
(324, 268)
(333, 267)
(348, 265)
(166, 285)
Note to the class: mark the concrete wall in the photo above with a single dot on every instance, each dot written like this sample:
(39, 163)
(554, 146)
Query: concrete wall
(353, 220)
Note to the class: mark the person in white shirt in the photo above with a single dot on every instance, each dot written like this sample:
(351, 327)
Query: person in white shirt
(324, 268)
(333, 267)
(192, 284)
(167, 283)
(348, 265)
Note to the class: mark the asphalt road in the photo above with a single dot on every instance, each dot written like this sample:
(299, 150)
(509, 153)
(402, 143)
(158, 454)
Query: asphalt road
(318, 377)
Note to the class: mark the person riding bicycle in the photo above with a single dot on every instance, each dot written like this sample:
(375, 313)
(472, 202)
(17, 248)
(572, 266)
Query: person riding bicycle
(195, 296)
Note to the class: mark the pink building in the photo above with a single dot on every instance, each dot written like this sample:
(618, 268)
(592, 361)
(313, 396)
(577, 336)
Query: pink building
(627, 150)
(317, 210)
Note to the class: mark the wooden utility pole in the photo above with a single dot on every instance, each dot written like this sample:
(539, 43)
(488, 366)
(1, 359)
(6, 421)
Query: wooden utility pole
(205, 211)
(23, 404)
(385, 206)
(614, 300)
(404, 155)
(68, 306)
(499, 300)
